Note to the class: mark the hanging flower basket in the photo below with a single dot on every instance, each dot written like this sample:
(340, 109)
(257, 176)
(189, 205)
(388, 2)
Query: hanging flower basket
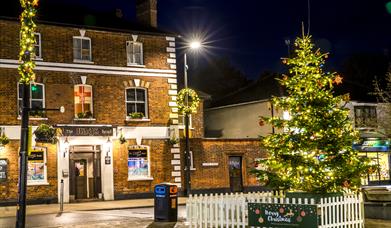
(4, 140)
(122, 139)
(45, 134)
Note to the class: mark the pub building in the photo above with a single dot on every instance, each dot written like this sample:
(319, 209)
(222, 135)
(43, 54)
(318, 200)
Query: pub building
(118, 85)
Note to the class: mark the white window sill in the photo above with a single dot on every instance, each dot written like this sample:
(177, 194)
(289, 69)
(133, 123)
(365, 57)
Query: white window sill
(37, 183)
(192, 169)
(135, 65)
(137, 120)
(84, 119)
(38, 59)
(141, 179)
(83, 61)
(34, 118)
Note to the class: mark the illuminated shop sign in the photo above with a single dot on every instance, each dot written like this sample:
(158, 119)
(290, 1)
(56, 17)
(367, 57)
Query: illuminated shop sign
(373, 145)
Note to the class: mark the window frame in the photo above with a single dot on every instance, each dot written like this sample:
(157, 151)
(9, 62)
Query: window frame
(139, 177)
(38, 43)
(92, 101)
(81, 49)
(191, 160)
(365, 125)
(146, 115)
(133, 55)
(31, 99)
(181, 125)
(45, 180)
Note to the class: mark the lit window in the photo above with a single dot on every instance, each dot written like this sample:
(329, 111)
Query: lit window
(136, 103)
(83, 101)
(81, 48)
(37, 46)
(380, 159)
(134, 51)
(37, 99)
(138, 163)
(36, 167)
(365, 117)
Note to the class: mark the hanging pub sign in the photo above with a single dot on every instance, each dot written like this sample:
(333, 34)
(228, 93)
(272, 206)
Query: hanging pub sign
(282, 215)
(3, 169)
(86, 130)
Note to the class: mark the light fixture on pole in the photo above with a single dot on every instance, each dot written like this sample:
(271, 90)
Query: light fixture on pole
(107, 146)
(66, 146)
(193, 46)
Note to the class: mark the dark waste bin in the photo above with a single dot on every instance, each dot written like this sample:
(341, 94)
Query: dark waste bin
(166, 202)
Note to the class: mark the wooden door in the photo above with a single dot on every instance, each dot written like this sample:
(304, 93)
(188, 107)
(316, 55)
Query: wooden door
(235, 173)
(80, 170)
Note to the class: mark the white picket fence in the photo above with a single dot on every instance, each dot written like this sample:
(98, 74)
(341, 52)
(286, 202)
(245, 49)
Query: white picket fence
(230, 210)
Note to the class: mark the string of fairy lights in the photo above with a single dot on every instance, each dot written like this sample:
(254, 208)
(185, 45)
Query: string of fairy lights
(313, 152)
(27, 40)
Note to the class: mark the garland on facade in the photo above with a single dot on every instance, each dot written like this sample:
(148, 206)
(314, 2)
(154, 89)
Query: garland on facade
(27, 40)
(193, 100)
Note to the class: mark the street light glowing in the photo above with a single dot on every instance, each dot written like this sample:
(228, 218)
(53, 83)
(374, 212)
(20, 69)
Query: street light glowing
(195, 45)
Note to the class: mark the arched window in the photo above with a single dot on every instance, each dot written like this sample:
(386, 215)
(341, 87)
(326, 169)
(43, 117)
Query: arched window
(136, 103)
(83, 101)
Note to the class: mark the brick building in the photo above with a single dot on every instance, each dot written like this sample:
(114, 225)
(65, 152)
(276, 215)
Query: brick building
(114, 83)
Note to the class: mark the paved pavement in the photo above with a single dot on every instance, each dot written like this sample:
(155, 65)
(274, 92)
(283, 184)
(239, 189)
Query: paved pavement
(85, 206)
(135, 217)
(120, 213)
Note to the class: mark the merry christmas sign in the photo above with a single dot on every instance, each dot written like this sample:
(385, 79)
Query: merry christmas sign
(282, 215)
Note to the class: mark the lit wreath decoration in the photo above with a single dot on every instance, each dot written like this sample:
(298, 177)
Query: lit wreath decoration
(181, 99)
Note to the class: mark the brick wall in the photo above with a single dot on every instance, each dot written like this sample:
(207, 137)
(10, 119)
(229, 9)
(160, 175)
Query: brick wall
(160, 162)
(218, 151)
(9, 189)
(108, 98)
(108, 48)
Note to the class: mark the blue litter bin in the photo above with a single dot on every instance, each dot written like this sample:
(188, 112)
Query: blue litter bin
(166, 202)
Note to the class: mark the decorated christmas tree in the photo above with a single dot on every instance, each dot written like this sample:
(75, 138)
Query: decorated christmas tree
(313, 153)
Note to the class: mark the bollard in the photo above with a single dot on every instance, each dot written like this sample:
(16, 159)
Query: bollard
(62, 196)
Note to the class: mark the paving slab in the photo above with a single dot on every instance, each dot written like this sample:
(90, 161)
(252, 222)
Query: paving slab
(10, 211)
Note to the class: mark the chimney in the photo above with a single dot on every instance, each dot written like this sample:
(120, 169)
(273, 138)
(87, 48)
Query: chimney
(146, 12)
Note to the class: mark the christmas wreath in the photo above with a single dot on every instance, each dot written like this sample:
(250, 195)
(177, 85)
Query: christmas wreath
(192, 104)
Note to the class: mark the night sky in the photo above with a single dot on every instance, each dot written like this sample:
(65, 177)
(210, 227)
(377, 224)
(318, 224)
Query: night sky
(253, 32)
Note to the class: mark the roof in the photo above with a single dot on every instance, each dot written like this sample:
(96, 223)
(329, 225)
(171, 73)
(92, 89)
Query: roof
(264, 88)
(78, 16)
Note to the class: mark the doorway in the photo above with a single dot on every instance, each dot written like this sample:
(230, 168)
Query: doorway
(85, 173)
(235, 173)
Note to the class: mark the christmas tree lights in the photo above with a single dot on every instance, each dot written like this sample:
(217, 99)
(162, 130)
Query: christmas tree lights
(27, 40)
(314, 151)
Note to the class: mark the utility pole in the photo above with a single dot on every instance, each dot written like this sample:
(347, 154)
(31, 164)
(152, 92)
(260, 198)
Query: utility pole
(22, 183)
(187, 144)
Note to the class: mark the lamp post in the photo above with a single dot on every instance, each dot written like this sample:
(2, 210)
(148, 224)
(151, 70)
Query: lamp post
(193, 45)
